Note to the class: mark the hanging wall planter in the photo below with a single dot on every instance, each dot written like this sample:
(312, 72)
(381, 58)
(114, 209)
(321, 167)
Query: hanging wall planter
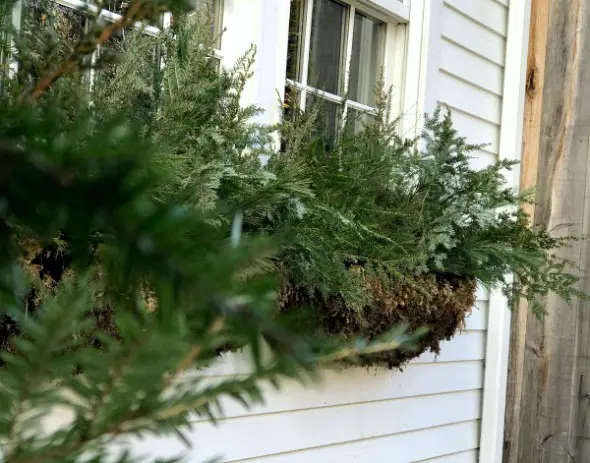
(438, 303)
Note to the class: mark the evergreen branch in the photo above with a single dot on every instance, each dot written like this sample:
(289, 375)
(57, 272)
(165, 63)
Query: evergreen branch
(193, 354)
(269, 373)
(146, 204)
(88, 45)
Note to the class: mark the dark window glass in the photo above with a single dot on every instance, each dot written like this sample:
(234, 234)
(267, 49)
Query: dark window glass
(326, 46)
(365, 61)
(296, 40)
(329, 114)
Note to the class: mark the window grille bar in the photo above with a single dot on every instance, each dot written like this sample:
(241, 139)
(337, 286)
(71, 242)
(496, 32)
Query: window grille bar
(348, 54)
(309, 6)
(107, 15)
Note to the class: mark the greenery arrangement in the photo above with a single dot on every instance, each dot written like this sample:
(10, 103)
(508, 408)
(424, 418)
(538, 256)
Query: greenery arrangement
(417, 228)
(141, 235)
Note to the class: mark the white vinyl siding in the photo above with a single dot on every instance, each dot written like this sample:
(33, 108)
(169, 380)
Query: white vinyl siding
(467, 33)
(471, 77)
(430, 410)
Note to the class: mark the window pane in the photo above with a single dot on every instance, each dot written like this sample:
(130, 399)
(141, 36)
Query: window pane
(326, 47)
(45, 22)
(329, 114)
(359, 119)
(366, 61)
(296, 39)
(209, 12)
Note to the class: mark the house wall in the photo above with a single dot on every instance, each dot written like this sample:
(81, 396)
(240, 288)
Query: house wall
(471, 70)
(431, 411)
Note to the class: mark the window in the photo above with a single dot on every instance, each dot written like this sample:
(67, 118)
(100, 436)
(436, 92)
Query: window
(212, 11)
(70, 18)
(337, 53)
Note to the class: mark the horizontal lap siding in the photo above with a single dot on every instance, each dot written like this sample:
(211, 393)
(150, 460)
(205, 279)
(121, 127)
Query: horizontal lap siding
(470, 85)
(356, 386)
(431, 411)
(472, 70)
(276, 433)
(468, 456)
(469, 34)
(389, 449)
(395, 448)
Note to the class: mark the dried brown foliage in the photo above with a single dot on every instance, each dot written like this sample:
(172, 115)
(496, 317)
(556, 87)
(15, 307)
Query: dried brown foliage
(435, 302)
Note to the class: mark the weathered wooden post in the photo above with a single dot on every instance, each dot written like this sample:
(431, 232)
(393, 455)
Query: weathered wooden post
(547, 416)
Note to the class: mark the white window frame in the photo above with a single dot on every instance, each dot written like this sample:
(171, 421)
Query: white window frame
(112, 17)
(410, 58)
(499, 318)
(395, 14)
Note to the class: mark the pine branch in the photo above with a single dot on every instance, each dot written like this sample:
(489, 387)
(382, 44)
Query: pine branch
(138, 10)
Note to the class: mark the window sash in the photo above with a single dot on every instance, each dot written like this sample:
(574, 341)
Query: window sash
(308, 90)
(112, 17)
(87, 7)
(302, 57)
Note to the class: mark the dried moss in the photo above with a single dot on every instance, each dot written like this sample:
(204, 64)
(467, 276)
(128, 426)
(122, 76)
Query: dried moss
(45, 267)
(439, 303)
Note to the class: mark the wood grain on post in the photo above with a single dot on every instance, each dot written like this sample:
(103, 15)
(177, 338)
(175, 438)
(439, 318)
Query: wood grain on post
(547, 419)
(535, 79)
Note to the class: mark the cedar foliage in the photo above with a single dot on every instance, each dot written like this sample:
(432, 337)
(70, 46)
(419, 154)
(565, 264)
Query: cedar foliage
(368, 197)
(88, 221)
(404, 208)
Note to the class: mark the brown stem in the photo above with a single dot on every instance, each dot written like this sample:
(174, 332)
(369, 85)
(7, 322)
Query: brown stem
(130, 15)
(189, 360)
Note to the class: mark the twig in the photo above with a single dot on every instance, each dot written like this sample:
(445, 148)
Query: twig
(271, 371)
(131, 14)
(189, 360)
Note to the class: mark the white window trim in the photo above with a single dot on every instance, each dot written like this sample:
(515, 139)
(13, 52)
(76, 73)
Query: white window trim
(107, 15)
(422, 59)
(16, 24)
(264, 24)
(385, 9)
(498, 333)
